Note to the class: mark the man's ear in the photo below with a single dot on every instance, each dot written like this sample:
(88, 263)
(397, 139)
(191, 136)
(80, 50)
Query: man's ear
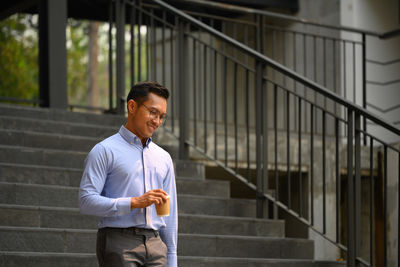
(132, 105)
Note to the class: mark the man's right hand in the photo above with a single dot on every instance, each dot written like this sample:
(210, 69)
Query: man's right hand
(156, 196)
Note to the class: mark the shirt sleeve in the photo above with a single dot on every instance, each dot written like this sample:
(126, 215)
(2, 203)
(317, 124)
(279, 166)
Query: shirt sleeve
(169, 234)
(93, 179)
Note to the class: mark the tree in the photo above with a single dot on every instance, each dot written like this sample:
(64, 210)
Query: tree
(19, 72)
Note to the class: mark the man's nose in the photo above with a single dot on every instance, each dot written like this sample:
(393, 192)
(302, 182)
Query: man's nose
(157, 119)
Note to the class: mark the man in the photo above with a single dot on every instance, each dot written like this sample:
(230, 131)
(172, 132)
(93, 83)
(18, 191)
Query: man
(124, 176)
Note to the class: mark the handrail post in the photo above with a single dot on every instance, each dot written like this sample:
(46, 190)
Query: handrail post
(183, 94)
(260, 199)
(350, 191)
(120, 23)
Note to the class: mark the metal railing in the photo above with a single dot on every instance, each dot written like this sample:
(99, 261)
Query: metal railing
(337, 58)
(230, 104)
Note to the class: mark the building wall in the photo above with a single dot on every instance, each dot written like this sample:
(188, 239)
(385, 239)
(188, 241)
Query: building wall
(383, 65)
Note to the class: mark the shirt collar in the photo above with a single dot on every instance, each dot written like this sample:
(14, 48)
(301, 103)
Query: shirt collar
(131, 138)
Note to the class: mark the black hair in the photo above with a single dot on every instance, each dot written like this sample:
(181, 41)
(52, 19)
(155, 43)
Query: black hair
(140, 91)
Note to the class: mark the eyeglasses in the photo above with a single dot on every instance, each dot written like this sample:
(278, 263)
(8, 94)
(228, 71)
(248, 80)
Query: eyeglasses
(155, 114)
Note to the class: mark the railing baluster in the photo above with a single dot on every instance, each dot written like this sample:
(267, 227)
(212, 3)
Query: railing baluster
(172, 75)
(364, 83)
(371, 202)
(398, 209)
(147, 47)
(246, 41)
(344, 70)
(300, 176)
(288, 147)
(385, 209)
(315, 66)
(265, 149)
(324, 172)
(276, 149)
(164, 67)
(195, 99)
(235, 116)
(354, 74)
(140, 42)
(324, 66)
(312, 162)
(294, 59)
(337, 178)
(153, 46)
(132, 44)
(215, 107)
(182, 54)
(284, 55)
(336, 90)
(259, 152)
(350, 190)
(324, 62)
(110, 56)
(205, 96)
(248, 126)
(305, 75)
(357, 184)
(225, 109)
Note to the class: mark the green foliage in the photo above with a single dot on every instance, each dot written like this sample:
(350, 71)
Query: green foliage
(18, 58)
(77, 61)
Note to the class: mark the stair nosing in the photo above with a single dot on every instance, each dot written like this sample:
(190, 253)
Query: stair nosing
(89, 125)
(42, 149)
(91, 231)
(50, 208)
(266, 238)
(78, 137)
(9, 164)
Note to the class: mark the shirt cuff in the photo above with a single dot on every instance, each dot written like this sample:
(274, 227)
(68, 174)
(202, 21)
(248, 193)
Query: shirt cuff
(123, 205)
(172, 260)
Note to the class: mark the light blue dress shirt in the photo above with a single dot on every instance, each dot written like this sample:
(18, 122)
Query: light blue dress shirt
(119, 168)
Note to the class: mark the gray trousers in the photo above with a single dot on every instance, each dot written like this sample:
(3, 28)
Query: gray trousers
(130, 247)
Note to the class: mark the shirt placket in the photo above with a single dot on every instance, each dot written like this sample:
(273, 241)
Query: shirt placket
(146, 177)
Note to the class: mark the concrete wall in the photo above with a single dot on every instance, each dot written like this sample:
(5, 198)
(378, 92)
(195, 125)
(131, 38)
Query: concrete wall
(383, 76)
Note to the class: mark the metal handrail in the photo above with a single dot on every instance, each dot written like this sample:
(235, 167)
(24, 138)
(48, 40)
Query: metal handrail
(230, 7)
(292, 74)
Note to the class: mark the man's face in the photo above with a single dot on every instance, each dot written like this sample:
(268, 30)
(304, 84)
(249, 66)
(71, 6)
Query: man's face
(142, 123)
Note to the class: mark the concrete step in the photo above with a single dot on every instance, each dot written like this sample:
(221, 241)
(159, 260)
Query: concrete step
(47, 140)
(245, 247)
(36, 174)
(60, 115)
(83, 241)
(47, 259)
(47, 175)
(65, 159)
(70, 218)
(39, 156)
(65, 196)
(56, 127)
(193, 186)
(253, 262)
(11, 259)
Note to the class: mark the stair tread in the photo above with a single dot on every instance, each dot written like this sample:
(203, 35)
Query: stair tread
(42, 149)
(204, 216)
(89, 125)
(25, 132)
(213, 236)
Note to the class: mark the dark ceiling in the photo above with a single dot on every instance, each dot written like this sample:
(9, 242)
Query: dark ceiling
(98, 9)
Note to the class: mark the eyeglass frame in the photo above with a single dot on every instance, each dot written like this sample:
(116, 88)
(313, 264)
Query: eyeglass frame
(155, 115)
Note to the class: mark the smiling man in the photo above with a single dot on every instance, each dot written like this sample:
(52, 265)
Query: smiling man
(124, 176)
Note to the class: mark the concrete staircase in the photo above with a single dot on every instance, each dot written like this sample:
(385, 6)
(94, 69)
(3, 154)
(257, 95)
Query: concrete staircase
(41, 160)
